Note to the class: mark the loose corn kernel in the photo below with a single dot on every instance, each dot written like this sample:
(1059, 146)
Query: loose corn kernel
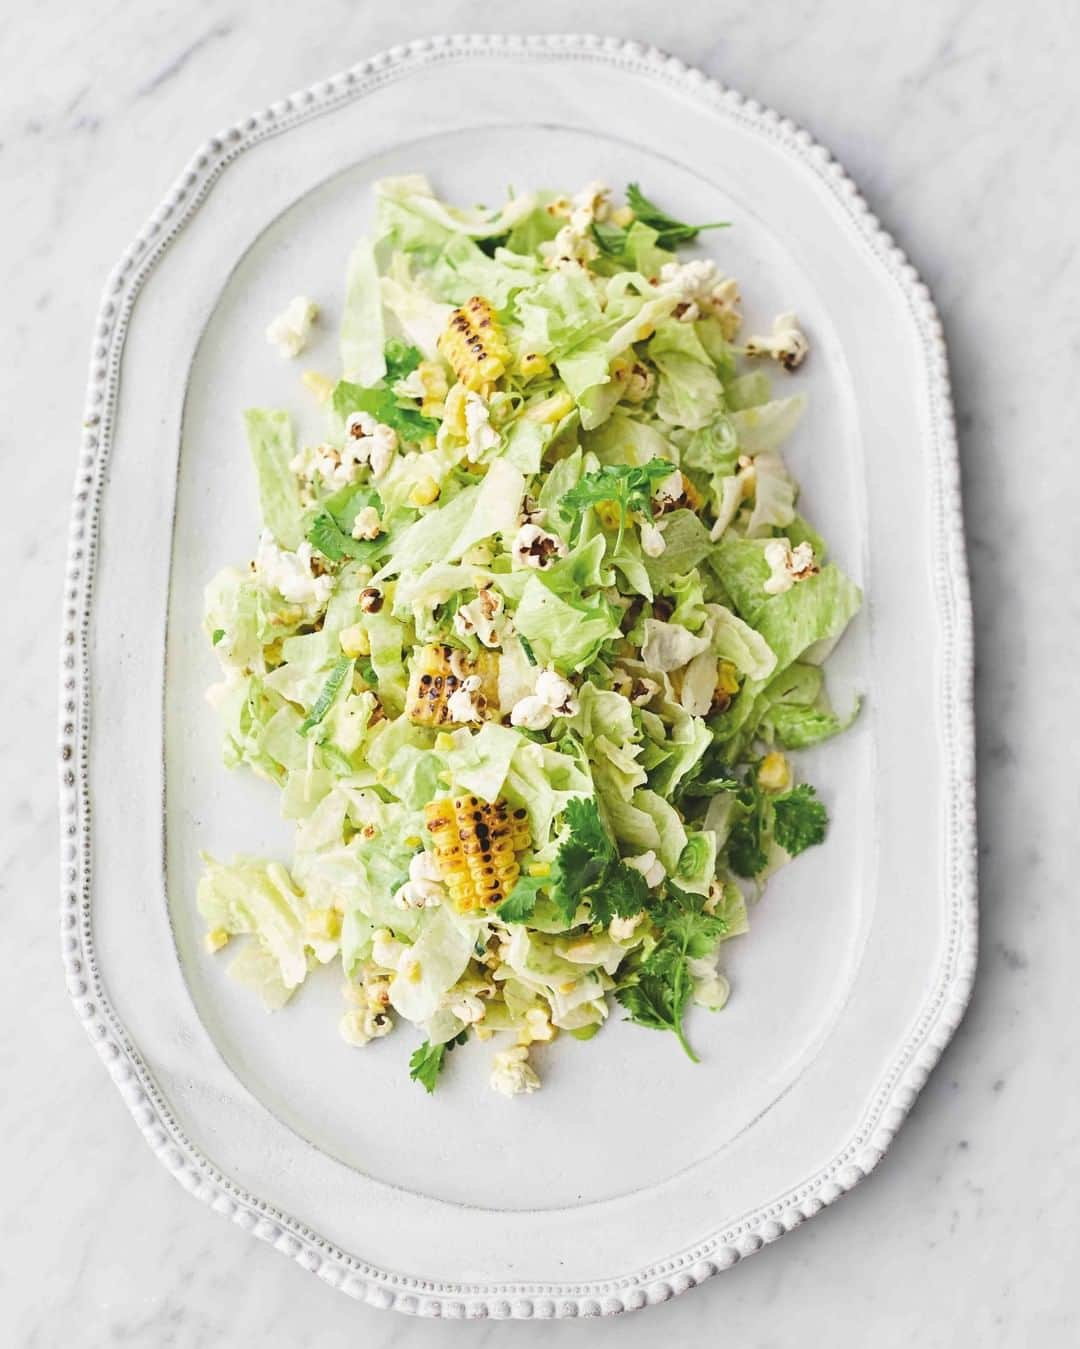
(354, 641)
(540, 869)
(322, 925)
(444, 740)
(608, 513)
(552, 409)
(437, 672)
(473, 345)
(622, 216)
(774, 773)
(424, 492)
(433, 378)
(727, 678)
(531, 364)
(411, 971)
(454, 412)
(322, 386)
(475, 846)
(215, 939)
(413, 841)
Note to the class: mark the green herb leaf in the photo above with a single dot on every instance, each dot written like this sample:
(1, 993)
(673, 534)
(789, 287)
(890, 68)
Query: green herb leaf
(526, 646)
(709, 776)
(325, 534)
(367, 672)
(519, 904)
(218, 634)
(659, 991)
(629, 486)
(621, 893)
(401, 360)
(383, 405)
(671, 232)
(611, 240)
(327, 694)
(745, 853)
(427, 1062)
(799, 819)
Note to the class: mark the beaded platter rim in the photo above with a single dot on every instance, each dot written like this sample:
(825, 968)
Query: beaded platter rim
(909, 1069)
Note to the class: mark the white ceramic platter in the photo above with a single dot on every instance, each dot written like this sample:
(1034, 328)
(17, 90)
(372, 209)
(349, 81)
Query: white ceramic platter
(633, 1175)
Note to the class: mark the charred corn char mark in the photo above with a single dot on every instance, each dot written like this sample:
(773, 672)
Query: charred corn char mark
(438, 672)
(473, 345)
(476, 845)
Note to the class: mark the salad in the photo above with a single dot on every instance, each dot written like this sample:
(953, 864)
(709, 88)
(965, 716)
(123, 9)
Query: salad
(528, 636)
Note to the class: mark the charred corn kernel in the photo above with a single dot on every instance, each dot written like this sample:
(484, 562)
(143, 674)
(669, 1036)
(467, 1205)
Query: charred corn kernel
(622, 216)
(322, 386)
(437, 672)
(322, 925)
(608, 513)
(215, 939)
(454, 412)
(774, 774)
(354, 641)
(727, 678)
(479, 555)
(540, 869)
(475, 846)
(424, 492)
(473, 345)
(537, 1026)
(433, 378)
(552, 409)
(531, 364)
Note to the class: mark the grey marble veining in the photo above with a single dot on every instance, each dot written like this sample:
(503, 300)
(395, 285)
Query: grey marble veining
(960, 123)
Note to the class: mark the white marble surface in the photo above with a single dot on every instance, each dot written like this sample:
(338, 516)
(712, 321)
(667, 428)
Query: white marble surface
(957, 120)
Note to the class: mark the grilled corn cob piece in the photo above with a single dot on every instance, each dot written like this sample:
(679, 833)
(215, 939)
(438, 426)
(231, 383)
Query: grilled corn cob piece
(476, 845)
(437, 672)
(473, 345)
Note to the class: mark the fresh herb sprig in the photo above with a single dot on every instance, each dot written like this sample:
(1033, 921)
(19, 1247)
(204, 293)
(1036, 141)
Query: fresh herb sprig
(629, 486)
(670, 231)
(657, 993)
(428, 1060)
(587, 867)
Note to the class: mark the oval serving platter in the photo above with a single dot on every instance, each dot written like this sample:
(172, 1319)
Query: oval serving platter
(634, 1174)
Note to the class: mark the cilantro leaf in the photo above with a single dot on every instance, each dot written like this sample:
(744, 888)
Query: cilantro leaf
(367, 672)
(518, 905)
(621, 894)
(611, 240)
(401, 360)
(708, 777)
(325, 534)
(799, 819)
(658, 993)
(330, 529)
(745, 853)
(427, 1062)
(526, 646)
(383, 405)
(219, 633)
(327, 694)
(629, 486)
(670, 231)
